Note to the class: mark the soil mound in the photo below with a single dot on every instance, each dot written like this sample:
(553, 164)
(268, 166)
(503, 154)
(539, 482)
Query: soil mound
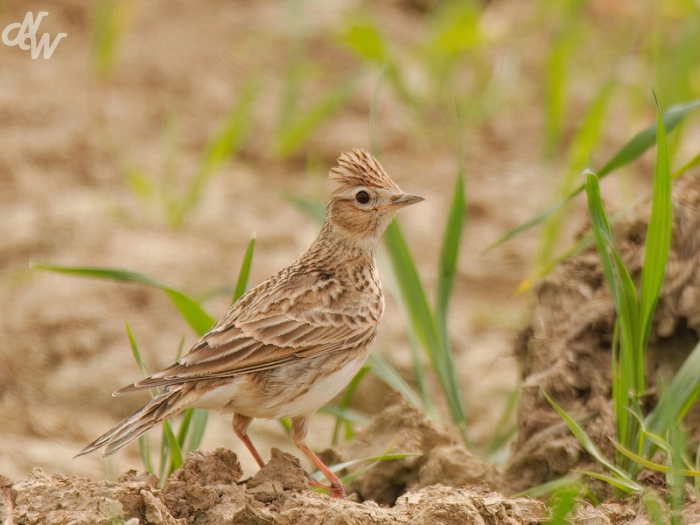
(566, 348)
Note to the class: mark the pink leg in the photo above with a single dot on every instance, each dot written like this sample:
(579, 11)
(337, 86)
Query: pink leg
(300, 427)
(240, 427)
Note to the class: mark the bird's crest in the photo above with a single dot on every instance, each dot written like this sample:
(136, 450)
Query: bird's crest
(358, 168)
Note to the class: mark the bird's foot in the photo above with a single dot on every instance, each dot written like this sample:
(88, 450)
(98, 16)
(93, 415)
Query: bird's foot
(336, 489)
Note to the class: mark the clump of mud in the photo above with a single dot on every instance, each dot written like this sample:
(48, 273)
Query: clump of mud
(208, 490)
(442, 484)
(566, 348)
(400, 428)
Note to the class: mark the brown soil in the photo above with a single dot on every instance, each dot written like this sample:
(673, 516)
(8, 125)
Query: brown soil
(566, 349)
(69, 140)
(443, 485)
(208, 490)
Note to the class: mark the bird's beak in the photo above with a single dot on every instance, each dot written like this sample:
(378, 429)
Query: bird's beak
(406, 199)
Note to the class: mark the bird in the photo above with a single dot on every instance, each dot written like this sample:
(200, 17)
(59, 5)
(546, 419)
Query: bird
(292, 343)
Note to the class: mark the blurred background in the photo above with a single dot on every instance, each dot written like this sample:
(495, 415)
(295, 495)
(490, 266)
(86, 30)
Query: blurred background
(161, 136)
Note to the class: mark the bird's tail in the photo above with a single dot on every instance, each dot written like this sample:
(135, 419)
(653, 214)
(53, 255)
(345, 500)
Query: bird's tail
(168, 403)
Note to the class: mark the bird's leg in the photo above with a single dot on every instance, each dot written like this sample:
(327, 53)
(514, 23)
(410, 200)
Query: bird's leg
(240, 427)
(300, 427)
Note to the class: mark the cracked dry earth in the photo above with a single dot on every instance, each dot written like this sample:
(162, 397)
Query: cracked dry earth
(209, 489)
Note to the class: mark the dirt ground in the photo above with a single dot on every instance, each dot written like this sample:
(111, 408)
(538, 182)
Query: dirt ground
(69, 138)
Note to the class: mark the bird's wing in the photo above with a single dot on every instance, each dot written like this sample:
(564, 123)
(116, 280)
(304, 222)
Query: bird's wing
(273, 325)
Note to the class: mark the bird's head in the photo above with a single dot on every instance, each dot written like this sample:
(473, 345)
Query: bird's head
(364, 200)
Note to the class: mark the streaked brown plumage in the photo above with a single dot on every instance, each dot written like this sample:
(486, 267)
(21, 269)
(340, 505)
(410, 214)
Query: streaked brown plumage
(290, 344)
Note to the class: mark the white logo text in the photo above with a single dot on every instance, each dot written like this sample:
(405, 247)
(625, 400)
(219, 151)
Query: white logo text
(27, 31)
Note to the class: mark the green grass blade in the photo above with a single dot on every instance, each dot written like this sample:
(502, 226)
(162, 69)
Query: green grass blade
(113, 274)
(374, 459)
(655, 508)
(316, 210)
(223, 144)
(641, 142)
(589, 446)
(677, 399)
(294, 74)
(687, 166)
(629, 374)
(423, 321)
(450, 251)
(420, 371)
(646, 138)
(135, 351)
(174, 451)
(348, 414)
(579, 152)
(658, 242)
(632, 351)
(373, 111)
(235, 129)
(365, 39)
(140, 183)
(184, 427)
(657, 441)
(144, 442)
(505, 429)
(344, 403)
(447, 272)
(297, 130)
(145, 451)
(387, 373)
(528, 224)
(190, 310)
(555, 96)
(624, 485)
(198, 425)
(581, 244)
(111, 21)
(420, 374)
(601, 233)
(244, 272)
(658, 467)
(167, 448)
(562, 503)
(180, 348)
(676, 478)
(412, 291)
(549, 487)
(588, 135)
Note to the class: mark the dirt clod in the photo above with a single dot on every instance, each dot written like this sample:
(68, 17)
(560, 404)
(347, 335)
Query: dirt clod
(283, 469)
(199, 494)
(206, 491)
(400, 428)
(566, 349)
(204, 480)
(57, 499)
(455, 466)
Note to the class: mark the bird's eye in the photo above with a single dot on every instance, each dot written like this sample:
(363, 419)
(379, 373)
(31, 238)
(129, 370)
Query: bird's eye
(362, 197)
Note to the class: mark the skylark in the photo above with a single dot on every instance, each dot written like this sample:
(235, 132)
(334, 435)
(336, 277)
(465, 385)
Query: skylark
(290, 344)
